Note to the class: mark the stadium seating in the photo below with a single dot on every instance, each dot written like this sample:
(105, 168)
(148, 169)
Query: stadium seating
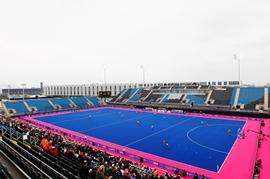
(52, 165)
(154, 97)
(174, 98)
(117, 96)
(164, 99)
(144, 94)
(18, 106)
(195, 99)
(4, 172)
(227, 98)
(64, 103)
(81, 102)
(223, 96)
(95, 100)
(251, 96)
(126, 95)
(42, 105)
(136, 96)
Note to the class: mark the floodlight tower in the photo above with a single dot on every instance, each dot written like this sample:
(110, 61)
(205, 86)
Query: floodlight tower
(236, 58)
(143, 73)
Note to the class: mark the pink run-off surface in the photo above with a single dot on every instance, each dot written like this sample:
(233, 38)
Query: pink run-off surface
(239, 164)
(264, 152)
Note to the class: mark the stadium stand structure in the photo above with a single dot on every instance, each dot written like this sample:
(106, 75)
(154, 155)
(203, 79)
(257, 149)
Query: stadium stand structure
(40, 105)
(126, 95)
(154, 97)
(62, 103)
(28, 106)
(65, 158)
(223, 96)
(4, 172)
(136, 95)
(94, 100)
(118, 95)
(81, 102)
(17, 107)
(200, 97)
(196, 99)
(250, 97)
(174, 98)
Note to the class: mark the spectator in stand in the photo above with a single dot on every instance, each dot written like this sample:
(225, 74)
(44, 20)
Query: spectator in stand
(100, 172)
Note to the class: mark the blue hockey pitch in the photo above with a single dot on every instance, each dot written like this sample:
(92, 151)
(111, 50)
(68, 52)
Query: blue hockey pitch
(197, 141)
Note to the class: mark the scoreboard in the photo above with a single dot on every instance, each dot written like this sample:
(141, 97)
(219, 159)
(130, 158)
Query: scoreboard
(104, 94)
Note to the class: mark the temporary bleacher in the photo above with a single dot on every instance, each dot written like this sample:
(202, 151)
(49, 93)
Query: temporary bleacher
(94, 100)
(127, 95)
(114, 99)
(64, 103)
(174, 98)
(164, 98)
(45, 164)
(80, 102)
(42, 105)
(18, 106)
(27, 106)
(196, 99)
(202, 97)
(223, 96)
(136, 96)
(250, 97)
(145, 93)
(154, 97)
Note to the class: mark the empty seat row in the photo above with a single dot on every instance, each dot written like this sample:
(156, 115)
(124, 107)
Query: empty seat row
(20, 107)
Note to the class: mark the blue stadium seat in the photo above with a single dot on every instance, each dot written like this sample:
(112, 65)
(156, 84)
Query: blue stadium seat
(165, 99)
(63, 102)
(195, 99)
(136, 97)
(233, 96)
(250, 94)
(18, 106)
(95, 100)
(81, 102)
(42, 105)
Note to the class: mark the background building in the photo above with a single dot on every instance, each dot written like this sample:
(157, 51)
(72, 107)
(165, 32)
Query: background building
(93, 89)
(23, 91)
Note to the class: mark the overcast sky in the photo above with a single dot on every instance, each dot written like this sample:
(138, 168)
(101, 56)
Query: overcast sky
(71, 42)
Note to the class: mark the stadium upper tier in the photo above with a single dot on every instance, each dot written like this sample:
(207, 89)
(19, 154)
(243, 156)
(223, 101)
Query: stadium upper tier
(240, 98)
(27, 106)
